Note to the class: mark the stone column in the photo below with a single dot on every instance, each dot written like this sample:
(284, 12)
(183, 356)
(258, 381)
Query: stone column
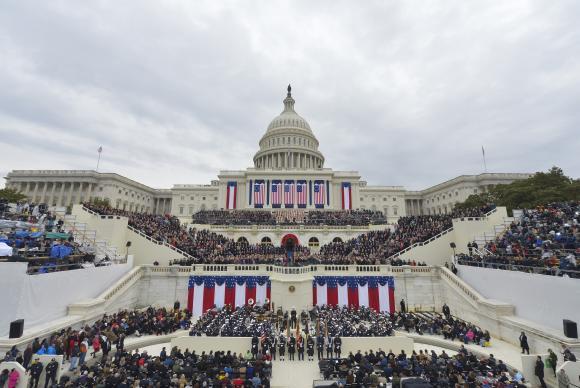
(70, 193)
(35, 192)
(52, 194)
(61, 195)
(42, 198)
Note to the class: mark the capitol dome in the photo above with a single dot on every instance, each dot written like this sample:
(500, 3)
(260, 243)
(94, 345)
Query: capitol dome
(289, 142)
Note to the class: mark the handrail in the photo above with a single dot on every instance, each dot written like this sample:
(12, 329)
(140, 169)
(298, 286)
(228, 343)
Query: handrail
(419, 244)
(517, 267)
(463, 286)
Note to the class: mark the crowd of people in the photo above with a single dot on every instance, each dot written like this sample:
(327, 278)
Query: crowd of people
(289, 217)
(374, 247)
(544, 240)
(100, 337)
(440, 370)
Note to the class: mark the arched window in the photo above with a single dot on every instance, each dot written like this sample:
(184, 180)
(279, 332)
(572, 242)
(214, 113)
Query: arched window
(267, 240)
(337, 240)
(243, 240)
(313, 242)
(386, 211)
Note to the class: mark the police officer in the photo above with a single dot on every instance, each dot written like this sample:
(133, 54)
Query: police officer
(291, 347)
(300, 348)
(337, 346)
(51, 370)
(35, 372)
(320, 346)
(310, 348)
(282, 347)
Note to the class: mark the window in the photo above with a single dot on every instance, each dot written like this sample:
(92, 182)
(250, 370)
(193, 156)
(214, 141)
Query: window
(337, 240)
(395, 210)
(243, 240)
(120, 191)
(191, 198)
(394, 199)
(191, 210)
(361, 199)
(203, 198)
(101, 188)
(181, 210)
(313, 242)
(386, 211)
(384, 199)
(215, 198)
(373, 199)
(456, 193)
(474, 191)
(267, 241)
(182, 197)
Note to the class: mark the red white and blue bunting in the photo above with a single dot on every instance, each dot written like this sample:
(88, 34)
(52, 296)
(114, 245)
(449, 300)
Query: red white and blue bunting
(376, 292)
(205, 292)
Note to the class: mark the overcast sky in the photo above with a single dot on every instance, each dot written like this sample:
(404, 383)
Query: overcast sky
(404, 92)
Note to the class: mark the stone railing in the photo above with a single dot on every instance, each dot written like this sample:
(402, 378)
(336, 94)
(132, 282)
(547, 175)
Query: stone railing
(420, 244)
(122, 284)
(466, 289)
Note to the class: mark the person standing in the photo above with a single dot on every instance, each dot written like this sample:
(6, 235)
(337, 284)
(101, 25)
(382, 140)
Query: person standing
(310, 348)
(446, 310)
(553, 360)
(51, 370)
(524, 343)
(403, 307)
(539, 371)
(320, 346)
(300, 345)
(329, 347)
(291, 347)
(35, 372)
(74, 357)
(337, 346)
(282, 347)
(13, 378)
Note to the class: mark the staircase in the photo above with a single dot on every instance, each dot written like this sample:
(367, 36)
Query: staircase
(497, 230)
(82, 235)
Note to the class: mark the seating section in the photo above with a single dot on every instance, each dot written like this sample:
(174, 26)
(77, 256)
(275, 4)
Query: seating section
(545, 240)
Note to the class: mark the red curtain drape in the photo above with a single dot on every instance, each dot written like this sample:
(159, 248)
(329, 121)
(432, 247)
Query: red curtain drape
(332, 296)
(230, 296)
(391, 300)
(250, 293)
(190, 299)
(314, 295)
(208, 298)
(352, 296)
(374, 298)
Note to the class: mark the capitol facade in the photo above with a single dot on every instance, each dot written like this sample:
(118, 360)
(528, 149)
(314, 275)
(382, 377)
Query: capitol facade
(289, 173)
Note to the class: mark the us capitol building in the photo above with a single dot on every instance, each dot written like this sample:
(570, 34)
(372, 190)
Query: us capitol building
(288, 173)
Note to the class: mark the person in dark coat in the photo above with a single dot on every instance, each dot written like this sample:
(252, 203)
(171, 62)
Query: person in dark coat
(524, 343)
(329, 347)
(35, 372)
(27, 357)
(282, 347)
(310, 348)
(51, 370)
(446, 310)
(291, 347)
(403, 307)
(539, 371)
(320, 347)
(337, 346)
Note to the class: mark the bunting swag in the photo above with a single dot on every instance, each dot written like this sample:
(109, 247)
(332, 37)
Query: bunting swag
(206, 291)
(232, 193)
(346, 196)
(376, 292)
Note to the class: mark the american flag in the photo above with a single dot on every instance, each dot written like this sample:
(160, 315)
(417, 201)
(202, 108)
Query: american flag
(289, 193)
(319, 194)
(259, 193)
(301, 193)
(276, 193)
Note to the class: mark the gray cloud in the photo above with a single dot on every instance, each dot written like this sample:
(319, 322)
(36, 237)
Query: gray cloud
(406, 92)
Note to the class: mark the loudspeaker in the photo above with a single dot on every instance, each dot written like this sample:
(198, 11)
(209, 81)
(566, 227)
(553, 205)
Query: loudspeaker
(452, 245)
(176, 305)
(16, 328)
(570, 328)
